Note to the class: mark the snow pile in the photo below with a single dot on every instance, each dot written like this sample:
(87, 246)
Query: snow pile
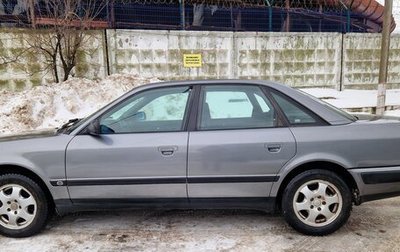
(49, 106)
(395, 113)
(354, 98)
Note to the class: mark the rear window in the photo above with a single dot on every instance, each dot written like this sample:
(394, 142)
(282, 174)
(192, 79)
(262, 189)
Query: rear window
(295, 113)
(331, 107)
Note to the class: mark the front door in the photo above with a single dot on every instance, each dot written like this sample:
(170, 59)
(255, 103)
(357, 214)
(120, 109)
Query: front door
(141, 152)
(239, 145)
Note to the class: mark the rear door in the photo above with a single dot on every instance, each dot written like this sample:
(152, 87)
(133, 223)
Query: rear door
(239, 144)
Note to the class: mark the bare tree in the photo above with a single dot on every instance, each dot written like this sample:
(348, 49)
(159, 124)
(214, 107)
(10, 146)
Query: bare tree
(61, 32)
(45, 43)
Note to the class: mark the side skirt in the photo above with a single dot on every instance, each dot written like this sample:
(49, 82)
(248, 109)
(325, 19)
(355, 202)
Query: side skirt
(65, 206)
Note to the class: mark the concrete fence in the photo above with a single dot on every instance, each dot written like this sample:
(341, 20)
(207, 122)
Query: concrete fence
(299, 59)
(27, 68)
(361, 58)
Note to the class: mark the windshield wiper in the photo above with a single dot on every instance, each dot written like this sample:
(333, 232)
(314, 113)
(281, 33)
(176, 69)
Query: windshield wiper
(70, 123)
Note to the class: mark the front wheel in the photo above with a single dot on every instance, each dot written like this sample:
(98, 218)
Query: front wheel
(316, 202)
(23, 206)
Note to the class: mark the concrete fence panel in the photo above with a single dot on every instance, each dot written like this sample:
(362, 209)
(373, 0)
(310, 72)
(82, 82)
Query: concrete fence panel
(297, 59)
(22, 69)
(161, 53)
(26, 68)
(361, 58)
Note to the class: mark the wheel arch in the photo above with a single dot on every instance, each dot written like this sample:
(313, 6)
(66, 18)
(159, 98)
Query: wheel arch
(17, 169)
(323, 165)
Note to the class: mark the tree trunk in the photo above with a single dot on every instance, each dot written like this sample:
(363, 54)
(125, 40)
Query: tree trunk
(55, 70)
(67, 72)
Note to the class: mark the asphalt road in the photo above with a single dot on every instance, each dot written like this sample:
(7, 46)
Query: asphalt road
(373, 226)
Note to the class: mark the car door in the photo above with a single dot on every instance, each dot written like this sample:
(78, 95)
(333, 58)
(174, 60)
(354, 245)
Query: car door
(141, 152)
(239, 144)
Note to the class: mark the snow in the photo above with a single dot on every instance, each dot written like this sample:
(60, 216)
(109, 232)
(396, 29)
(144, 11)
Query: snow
(354, 98)
(350, 99)
(49, 106)
(393, 113)
(374, 226)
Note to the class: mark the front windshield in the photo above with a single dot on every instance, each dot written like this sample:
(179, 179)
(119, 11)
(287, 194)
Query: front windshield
(330, 107)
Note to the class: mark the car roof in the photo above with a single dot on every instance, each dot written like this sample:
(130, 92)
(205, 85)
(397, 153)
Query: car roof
(213, 81)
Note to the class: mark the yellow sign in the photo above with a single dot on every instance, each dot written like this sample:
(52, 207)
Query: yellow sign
(192, 60)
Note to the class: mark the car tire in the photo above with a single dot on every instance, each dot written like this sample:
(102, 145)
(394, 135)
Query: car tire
(316, 202)
(23, 206)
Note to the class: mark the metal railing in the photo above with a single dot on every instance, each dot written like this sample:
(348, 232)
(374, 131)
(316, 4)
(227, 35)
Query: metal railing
(213, 15)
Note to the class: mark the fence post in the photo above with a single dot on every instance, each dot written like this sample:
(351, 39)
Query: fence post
(270, 18)
(342, 63)
(32, 13)
(348, 22)
(270, 3)
(182, 13)
(111, 13)
(107, 56)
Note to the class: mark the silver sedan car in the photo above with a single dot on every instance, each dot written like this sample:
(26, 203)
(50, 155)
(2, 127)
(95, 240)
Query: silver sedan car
(203, 144)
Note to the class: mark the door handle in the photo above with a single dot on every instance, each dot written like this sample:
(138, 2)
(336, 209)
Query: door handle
(167, 150)
(273, 148)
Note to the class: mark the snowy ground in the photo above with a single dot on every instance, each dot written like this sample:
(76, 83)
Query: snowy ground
(350, 99)
(373, 226)
(50, 105)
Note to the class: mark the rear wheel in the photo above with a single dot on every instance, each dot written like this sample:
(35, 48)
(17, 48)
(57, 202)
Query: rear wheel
(23, 206)
(316, 202)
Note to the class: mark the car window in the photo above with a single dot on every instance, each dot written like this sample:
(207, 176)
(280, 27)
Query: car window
(263, 104)
(331, 107)
(228, 104)
(293, 112)
(119, 113)
(169, 107)
(157, 110)
(235, 107)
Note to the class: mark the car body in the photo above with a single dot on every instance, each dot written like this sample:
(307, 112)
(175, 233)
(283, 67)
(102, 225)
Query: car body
(203, 144)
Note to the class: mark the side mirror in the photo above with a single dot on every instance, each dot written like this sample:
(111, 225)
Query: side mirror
(93, 128)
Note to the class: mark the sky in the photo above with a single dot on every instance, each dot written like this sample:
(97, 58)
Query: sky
(396, 12)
